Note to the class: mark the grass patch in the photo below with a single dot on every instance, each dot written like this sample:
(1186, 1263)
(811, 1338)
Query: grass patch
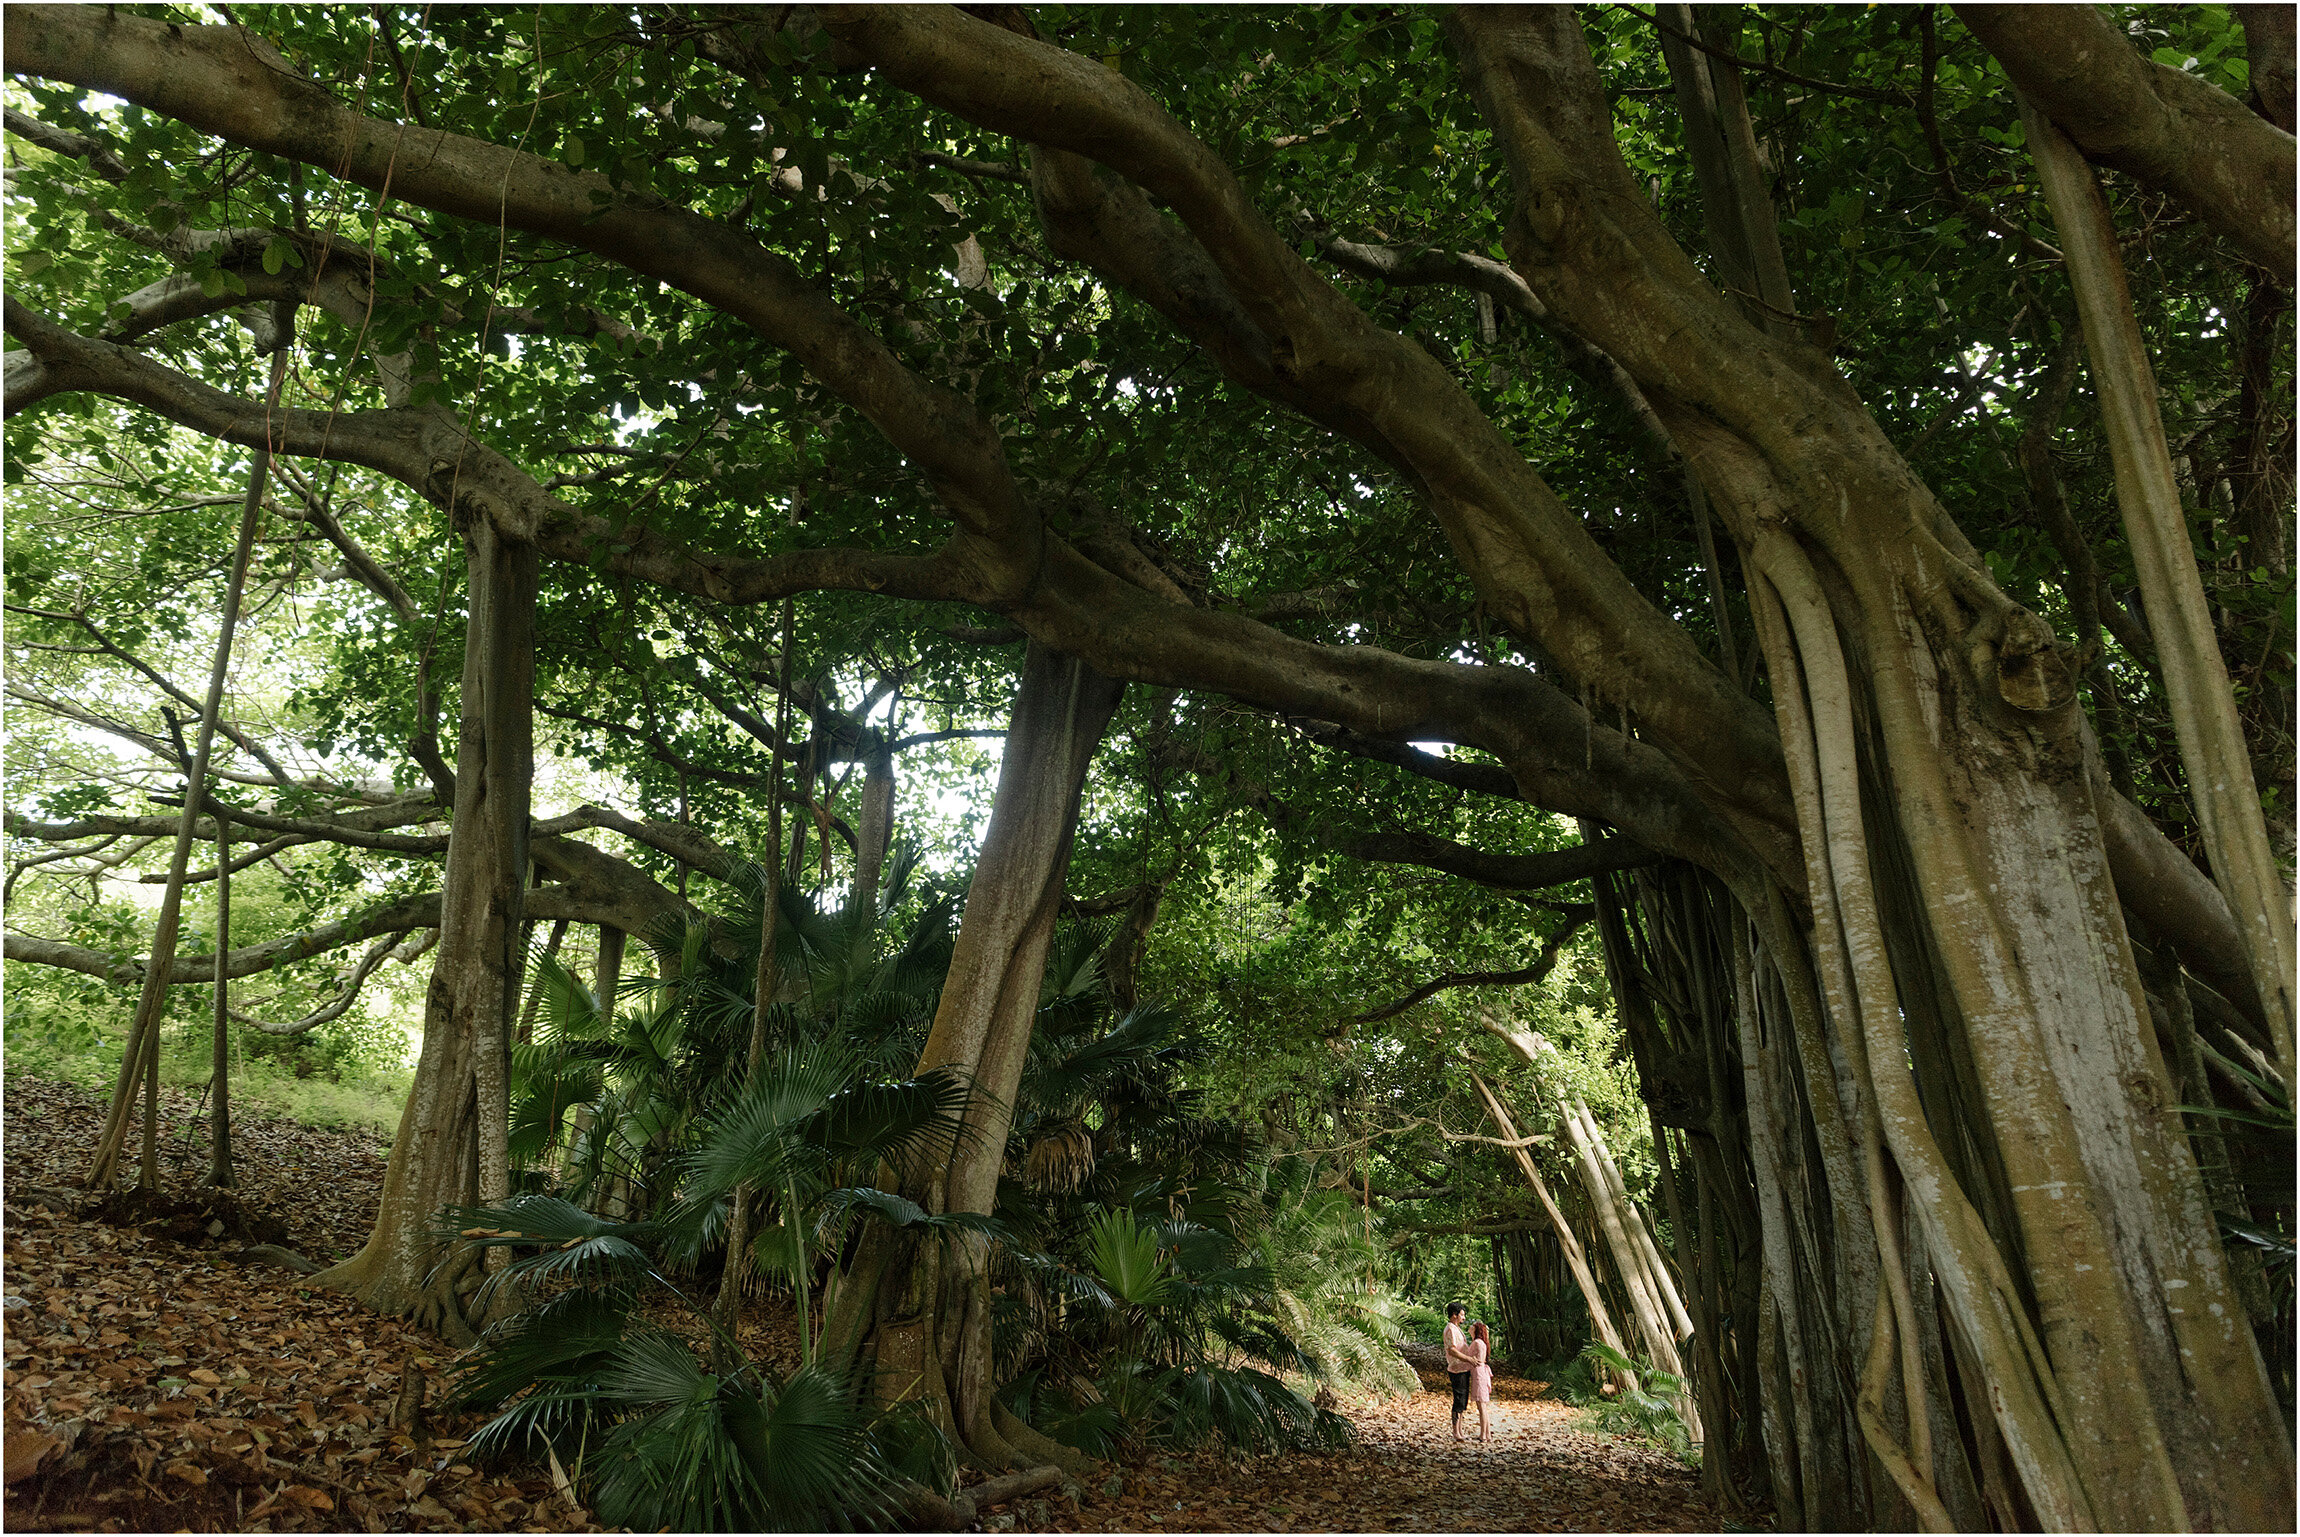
(368, 1099)
(306, 1081)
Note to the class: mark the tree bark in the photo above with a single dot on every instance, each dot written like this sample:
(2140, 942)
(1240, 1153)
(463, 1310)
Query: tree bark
(220, 1060)
(608, 975)
(1654, 1303)
(2164, 127)
(451, 1144)
(874, 830)
(918, 1315)
(1122, 957)
(534, 1001)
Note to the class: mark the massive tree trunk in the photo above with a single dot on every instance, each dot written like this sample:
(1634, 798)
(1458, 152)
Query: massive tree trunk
(451, 1144)
(917, 1315)
(2124, 1387)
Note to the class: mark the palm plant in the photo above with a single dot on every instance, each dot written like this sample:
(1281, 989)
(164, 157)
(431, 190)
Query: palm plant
(1325, 1264)
(1131, 1305)
(1646, 1407)
(614, 1091)
(659, 1410)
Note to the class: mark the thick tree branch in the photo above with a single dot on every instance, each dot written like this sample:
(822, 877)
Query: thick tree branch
(229, 82)
(63, 141)
(347, 994)
(1558, 757)
(395, 917)
(2163, 127)
(1311, 347)
(1512, 872)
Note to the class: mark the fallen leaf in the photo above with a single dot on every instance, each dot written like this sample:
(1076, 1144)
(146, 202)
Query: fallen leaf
(24, 1450)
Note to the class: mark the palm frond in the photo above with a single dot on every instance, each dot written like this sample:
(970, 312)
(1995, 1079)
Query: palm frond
(1127, 1258)
(809, 1447)
(902, 1212)
(565, 1339)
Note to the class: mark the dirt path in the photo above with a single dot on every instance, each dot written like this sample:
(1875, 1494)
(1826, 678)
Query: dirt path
(1406, 1474)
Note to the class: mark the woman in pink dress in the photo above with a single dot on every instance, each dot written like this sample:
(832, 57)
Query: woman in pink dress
(1481, 1378)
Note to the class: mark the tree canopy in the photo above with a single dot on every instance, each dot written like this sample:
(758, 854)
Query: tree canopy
(1634, 530)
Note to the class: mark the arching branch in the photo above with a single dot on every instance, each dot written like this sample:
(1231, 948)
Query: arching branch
(1543, 965)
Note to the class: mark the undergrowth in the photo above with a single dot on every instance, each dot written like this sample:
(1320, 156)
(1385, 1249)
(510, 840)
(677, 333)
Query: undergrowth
(1641, 1409)
(353, 1078)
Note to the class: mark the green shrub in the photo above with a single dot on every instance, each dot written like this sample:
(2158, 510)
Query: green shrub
(1642, 1410)
(51, 1038)
(348, 1072)
(1421, 1325)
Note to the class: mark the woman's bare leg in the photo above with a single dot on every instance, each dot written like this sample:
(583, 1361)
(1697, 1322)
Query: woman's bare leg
(1484, 1425)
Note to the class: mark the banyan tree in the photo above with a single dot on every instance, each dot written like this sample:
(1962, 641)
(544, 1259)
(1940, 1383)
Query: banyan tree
(1839, 455)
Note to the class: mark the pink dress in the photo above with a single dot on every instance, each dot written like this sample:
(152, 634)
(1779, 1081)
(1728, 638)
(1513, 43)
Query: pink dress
(1480, 1375)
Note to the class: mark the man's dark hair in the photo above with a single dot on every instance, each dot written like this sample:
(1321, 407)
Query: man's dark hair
(1455, 1311)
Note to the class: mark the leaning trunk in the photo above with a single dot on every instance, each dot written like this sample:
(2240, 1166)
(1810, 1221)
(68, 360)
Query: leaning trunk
(1568, 1242)
(916, 1316)
(451, 1145)
(220, 1038)
(1654, 1305)
(141, 1062)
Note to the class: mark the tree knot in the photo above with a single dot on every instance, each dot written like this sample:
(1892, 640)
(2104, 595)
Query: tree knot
(2035, 673)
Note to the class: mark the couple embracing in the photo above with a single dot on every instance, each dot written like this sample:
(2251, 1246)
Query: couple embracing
(1468, 1362)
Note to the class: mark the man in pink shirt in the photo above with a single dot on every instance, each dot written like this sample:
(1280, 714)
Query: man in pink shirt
(1457, 1362)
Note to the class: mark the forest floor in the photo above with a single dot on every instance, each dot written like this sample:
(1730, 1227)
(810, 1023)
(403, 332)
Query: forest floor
(160, 1378)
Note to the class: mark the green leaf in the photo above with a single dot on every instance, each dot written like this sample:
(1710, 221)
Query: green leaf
(1125, 1255)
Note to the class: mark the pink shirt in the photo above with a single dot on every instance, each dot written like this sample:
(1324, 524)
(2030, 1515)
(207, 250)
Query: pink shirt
(1457, 1356)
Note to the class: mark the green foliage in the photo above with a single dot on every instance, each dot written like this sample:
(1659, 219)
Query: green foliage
(665, 1437)
(347, 1072)
(643, 1095)
(1328, 1271)
(1164, 1282)
(1421, 1325)
(52, 1038)
(1641, 1409)
(660, 1440)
